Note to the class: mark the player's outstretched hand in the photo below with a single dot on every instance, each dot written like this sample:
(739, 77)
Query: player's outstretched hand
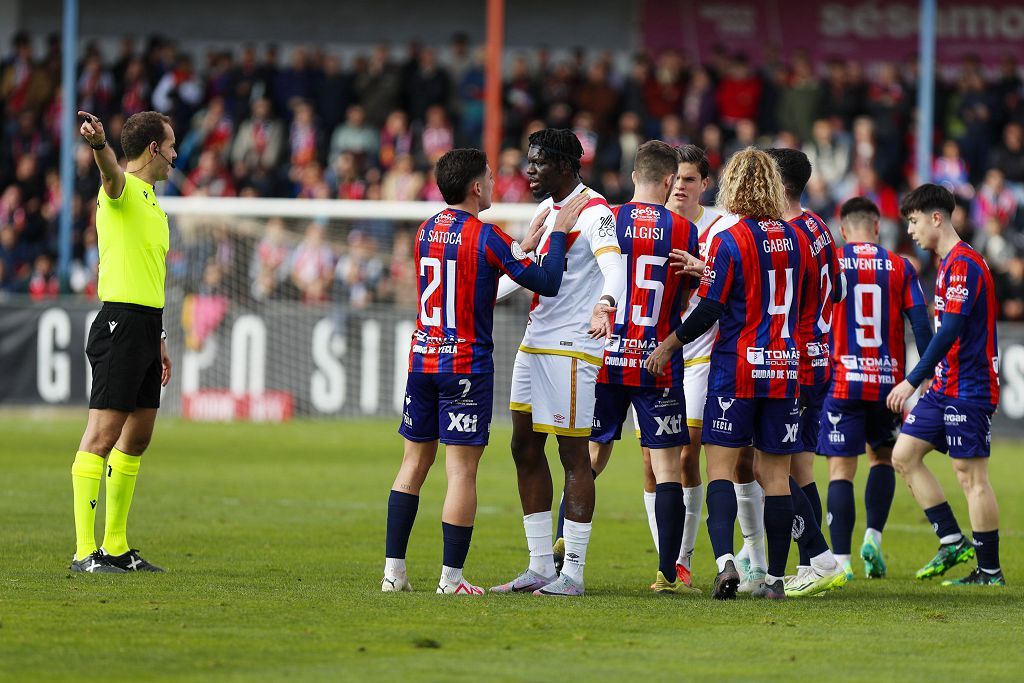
(685, 263)
(898, 396)
(535, 232)
(570, 213)
(660, 357)
(92, 129)
(601, 322)
(165, 363)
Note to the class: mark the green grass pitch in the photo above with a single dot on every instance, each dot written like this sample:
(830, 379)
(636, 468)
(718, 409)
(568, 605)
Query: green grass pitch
(274, 538)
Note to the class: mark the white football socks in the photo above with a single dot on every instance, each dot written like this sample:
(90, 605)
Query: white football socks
(538, 539)
(693, 499)
(750, 514)
(652, 519)
(451, 576)
(393, 566)
(720, 561)
(873, 534)
(577, 537)
(824, 562)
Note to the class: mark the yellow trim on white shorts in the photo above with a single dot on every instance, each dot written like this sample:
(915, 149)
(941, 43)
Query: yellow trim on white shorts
(521, 407)
(593, 360)
(561, 431)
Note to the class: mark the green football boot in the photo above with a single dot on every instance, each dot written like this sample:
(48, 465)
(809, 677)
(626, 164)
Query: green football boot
(978, 577)
(874, 563)
(949, 556)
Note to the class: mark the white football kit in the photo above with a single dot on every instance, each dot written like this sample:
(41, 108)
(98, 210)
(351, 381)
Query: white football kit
(697, 354)
(555, 373)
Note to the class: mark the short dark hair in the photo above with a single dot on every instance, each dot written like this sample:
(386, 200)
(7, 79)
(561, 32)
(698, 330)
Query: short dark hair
(795, 168)
(456, 170)
(692, 154)
(655, 161)
(859, 205)
(561, 144)
(140, 130)
(927, 198)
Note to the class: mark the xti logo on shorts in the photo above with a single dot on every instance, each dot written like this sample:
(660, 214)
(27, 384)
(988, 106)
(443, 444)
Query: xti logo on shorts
(672, 424)
(462, 423)
(791, 433)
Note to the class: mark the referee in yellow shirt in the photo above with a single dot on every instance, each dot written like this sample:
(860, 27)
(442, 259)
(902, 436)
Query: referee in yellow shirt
(126, 348)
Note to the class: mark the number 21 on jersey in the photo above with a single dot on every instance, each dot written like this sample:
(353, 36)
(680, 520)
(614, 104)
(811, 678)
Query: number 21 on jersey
(431, 315)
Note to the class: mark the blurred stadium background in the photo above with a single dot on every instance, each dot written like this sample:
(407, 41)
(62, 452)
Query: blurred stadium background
(307, 137)
(306, 133)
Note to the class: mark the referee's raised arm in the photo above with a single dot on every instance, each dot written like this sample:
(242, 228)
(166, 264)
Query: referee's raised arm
(110, 171)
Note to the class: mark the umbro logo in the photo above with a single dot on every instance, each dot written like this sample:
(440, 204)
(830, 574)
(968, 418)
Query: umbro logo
(92, 504)
(145, 193)
(112, 326)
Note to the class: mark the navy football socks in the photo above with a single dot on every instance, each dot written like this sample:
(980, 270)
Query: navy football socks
(401, 515)
(456, 544)
(943, 521)
(778, 527)
(878, 495)
(670, 511)
(721, 498)
(986, 545)
(806, 531)
(811, 492)
(842, 514)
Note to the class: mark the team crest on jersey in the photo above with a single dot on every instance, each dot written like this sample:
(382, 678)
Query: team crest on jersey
(517, 251)
(607, 227)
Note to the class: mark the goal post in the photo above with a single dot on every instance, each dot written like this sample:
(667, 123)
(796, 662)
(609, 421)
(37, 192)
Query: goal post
(279, 307)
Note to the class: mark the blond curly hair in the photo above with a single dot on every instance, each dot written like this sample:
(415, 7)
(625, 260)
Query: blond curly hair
(751, 185)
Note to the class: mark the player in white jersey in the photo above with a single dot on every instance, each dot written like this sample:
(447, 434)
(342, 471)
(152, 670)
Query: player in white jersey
(555, 373)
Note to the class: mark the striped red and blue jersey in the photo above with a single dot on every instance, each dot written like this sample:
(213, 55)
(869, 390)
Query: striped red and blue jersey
(818, 301)
(458, 262)
(655, 298)
(758, 270)
(868, 338)
(970, 371)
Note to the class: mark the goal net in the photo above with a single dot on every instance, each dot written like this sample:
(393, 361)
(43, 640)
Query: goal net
(279, 308)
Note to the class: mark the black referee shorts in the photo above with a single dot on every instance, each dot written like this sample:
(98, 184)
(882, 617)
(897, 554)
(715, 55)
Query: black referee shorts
(124, 351)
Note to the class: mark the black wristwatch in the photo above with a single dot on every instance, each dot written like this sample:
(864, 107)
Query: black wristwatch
(99, 146)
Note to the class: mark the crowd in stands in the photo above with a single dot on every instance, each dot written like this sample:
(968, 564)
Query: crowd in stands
(253, 122)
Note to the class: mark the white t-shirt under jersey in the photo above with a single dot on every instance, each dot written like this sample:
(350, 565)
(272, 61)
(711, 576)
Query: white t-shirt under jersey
(709, 223)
